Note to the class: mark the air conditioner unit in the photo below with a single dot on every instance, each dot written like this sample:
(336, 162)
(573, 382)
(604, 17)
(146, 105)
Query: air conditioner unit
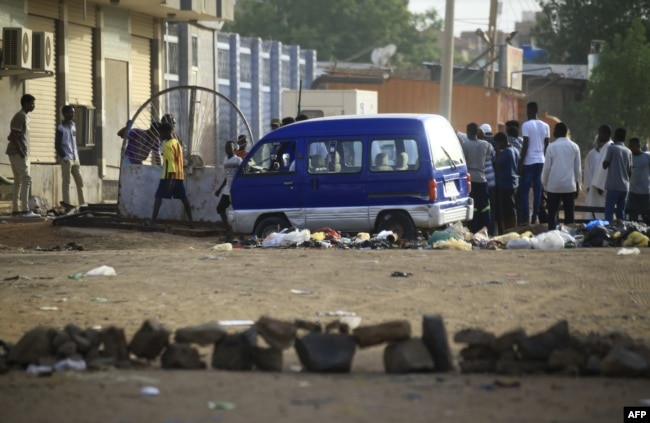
(43, 51)
(16, 48)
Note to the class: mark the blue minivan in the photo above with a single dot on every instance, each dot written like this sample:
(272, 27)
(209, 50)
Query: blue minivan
(367, 173)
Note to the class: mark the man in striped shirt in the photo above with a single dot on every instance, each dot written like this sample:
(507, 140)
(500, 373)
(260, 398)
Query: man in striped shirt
(171, 183)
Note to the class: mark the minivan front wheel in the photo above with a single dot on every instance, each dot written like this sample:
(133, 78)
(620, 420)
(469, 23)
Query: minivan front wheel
(268, 225)
(398, 222)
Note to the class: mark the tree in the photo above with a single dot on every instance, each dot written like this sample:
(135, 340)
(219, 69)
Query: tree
(619, 87)
(343, 30)
(618, 90)
(567, 27)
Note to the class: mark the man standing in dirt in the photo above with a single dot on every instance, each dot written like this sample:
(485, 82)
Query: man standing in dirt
(65, 144)
(536, 138)
(561, 175)
(618, 163)
(230, 165)
(172, 183)
(476, 152)
(18, 152)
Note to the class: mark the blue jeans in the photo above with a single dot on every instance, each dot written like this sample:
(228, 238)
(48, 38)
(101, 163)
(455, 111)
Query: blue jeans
(615, 199)
(532, 177)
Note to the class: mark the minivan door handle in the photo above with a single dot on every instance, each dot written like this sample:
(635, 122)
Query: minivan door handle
(314, 183)
(287, 183)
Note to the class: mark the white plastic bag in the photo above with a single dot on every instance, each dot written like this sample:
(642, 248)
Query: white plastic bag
(101, 271)
(551, 240)
(286, 239)
(519, 244)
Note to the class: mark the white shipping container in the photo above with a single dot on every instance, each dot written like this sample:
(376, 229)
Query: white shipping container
(320, 103)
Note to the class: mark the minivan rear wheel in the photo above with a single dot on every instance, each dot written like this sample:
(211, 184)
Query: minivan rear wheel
(398, 222)
(268, 225)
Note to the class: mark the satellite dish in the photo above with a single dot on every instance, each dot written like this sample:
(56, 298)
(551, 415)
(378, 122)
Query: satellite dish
(381, 56)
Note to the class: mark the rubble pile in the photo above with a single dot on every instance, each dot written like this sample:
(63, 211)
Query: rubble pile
(43, 350)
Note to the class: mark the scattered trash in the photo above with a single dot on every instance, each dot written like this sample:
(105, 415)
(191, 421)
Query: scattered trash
(398, 274)
(47, 308)
(295, 368)
(353, 322)
(70, 364)
(212, 258)
(76, 276)
(286, 239)
(35, 370)
(221, 405)
(300, 292)
(101, 271)
(389, 236)
(628, 251)
(337, 313)
(226, 246)
(99, 300)
(452, 244)
(507, 383)
(494, 282)
(236, 322)
(519, 244)
(150, 391)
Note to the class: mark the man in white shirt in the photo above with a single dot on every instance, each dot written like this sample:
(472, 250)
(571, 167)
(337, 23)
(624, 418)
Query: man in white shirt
(596, 192)
(536, 138)
(561, 175)
(65, 144)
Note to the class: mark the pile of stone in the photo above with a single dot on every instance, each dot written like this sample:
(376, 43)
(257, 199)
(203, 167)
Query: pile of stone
(330, 348)
(554, 350)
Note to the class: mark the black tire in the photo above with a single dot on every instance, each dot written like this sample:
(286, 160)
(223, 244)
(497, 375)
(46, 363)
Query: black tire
(269, 225)
(398, 222)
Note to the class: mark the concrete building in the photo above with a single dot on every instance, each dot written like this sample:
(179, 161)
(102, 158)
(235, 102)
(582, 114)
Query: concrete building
(106, 58)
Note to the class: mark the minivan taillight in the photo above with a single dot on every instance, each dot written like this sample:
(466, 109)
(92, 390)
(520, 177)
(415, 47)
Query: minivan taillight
(433, 190)
(469, 184)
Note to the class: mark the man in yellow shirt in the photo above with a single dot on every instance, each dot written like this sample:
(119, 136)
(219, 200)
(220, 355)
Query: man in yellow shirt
(171, 183)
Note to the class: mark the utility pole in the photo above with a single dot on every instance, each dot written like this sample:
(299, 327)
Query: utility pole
(447, 66)
(488, 79)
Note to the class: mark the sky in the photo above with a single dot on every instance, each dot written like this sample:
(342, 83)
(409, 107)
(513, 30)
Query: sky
(473, 14)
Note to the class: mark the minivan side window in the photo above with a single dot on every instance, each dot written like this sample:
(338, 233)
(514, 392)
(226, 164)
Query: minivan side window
(275, 157)
(394, 155)
(335, 156)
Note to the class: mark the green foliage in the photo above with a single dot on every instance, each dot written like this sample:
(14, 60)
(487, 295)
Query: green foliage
(618, 89)
(568, 26)
(343, 30)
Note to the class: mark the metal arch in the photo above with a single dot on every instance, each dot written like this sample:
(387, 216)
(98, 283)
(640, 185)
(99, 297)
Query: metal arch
(192, 89)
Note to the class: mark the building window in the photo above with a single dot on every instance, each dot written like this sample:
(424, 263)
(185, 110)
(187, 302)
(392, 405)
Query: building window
(195, 51)
(286, 74)
(266, 71)
(171, 52)
(224, 63)
(245, 66)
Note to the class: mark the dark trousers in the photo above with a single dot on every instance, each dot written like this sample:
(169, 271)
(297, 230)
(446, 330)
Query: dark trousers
(568, 204)
(481, 206)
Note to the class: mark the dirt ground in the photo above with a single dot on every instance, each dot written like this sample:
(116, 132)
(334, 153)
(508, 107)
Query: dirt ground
(180, 281)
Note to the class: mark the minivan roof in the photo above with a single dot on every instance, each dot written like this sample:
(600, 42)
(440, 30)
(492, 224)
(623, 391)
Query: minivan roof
(385, 123)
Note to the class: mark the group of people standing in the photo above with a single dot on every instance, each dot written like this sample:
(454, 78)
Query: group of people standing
(65, 145)
(616, 177)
